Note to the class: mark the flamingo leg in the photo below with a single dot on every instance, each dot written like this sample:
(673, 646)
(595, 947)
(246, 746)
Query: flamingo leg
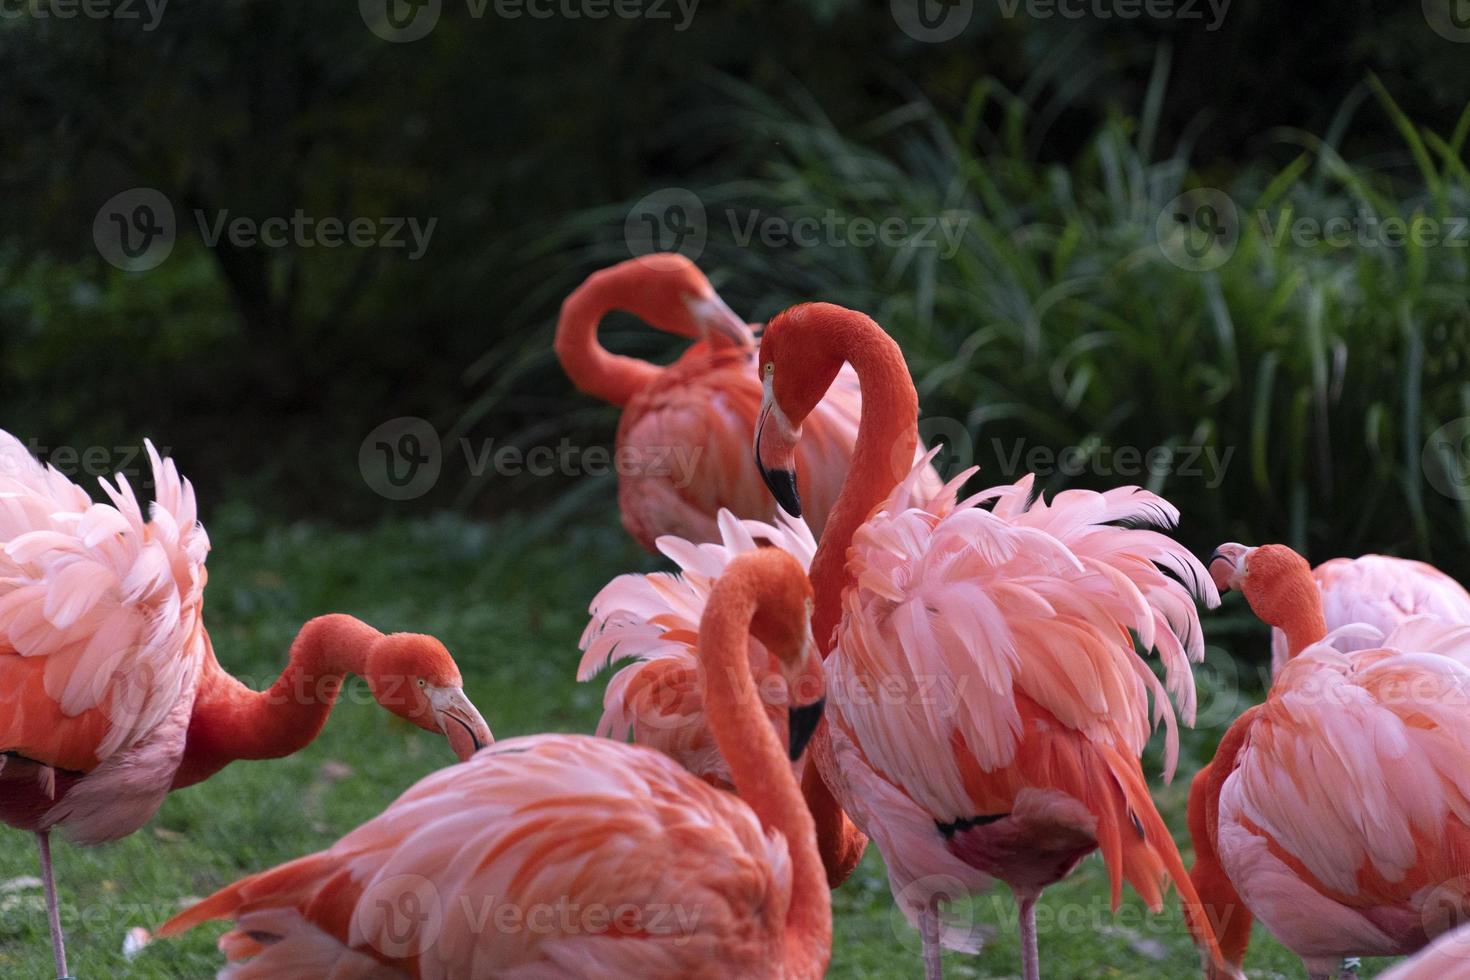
(1030, 960)
(1350, 968)
(929, 934)
(53, 913)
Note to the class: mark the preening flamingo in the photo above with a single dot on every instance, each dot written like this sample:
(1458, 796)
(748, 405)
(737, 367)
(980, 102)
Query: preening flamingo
(1382, 592)
(110, 695)
(988, 708)
(1338, 811)
(570, 856)
(684, 435)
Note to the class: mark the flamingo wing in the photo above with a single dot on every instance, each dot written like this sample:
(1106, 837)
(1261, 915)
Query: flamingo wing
(653, 620)
(1383, 592)
(1345, 825)
(543, 856)
(100, 628)
(988, 669)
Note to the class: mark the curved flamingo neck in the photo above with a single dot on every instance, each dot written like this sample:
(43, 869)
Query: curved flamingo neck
(1295, 608)
(231, 721)
(883, 455)
(758, 766)
(593, 369)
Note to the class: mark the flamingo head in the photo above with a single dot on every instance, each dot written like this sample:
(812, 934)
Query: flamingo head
(797, 362)
(414, 677)
(1270, 577)
(668, 291)
(783, 625)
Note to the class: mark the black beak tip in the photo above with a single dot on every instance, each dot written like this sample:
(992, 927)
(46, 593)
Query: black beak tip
(802, 724)
(1213, 556)
(782, 484)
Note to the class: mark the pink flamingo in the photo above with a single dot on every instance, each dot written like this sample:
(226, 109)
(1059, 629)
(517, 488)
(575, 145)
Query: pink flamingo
(684, 436)
(988, 707)
(110, 695)
(1382, 592)
(1338, 811)
(653, 620)
(465, 873)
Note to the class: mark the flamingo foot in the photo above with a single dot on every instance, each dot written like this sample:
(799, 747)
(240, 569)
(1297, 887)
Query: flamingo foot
(53, 912)
(1030, 960)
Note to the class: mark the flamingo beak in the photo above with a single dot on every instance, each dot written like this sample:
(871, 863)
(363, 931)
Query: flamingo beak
(1227, 566)
(715, 319)
(775, 453)
(460, 722)
(801, 725)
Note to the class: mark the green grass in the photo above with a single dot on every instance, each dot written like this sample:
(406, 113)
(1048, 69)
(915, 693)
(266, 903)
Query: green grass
(508, 600)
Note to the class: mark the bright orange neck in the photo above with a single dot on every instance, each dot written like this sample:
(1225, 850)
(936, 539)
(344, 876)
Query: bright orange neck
(747, 742)
(1294, 607)
(231, 721)
(593, 369)
(887, 436)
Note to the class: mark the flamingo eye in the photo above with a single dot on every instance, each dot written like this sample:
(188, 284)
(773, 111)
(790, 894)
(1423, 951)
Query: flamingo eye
(769, 369)
(423, 683)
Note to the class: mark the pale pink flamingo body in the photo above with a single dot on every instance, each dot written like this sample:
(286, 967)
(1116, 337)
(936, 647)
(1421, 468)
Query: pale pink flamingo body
(701, 883)
(1338, 811)
(988, 708)
(110, 695)
(1447, 958)
(1379, 591)
(685, 429)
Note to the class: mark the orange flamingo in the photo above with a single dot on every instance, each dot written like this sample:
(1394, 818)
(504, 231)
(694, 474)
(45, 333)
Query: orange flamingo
(988, 706)
(110, 695)
(1380, 591)
(1338, 811)
(570, 856)
(684, 435)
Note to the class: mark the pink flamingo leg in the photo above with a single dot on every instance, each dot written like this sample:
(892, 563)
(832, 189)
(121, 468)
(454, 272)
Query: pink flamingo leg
(929, 934)
(53, 914)
(1030, 960)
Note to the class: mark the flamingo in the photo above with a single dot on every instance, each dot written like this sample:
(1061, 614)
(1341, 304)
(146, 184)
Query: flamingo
(110, 694)
(683, 435)
(700, 882)
(988, 706)
(1382, 592)
(1338, 811)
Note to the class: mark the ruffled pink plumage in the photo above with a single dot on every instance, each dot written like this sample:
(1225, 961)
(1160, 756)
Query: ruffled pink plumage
(1382, 592)
(101, 644)
(1344, 823)
(985, 665)
(653, 620)
(662, 876)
